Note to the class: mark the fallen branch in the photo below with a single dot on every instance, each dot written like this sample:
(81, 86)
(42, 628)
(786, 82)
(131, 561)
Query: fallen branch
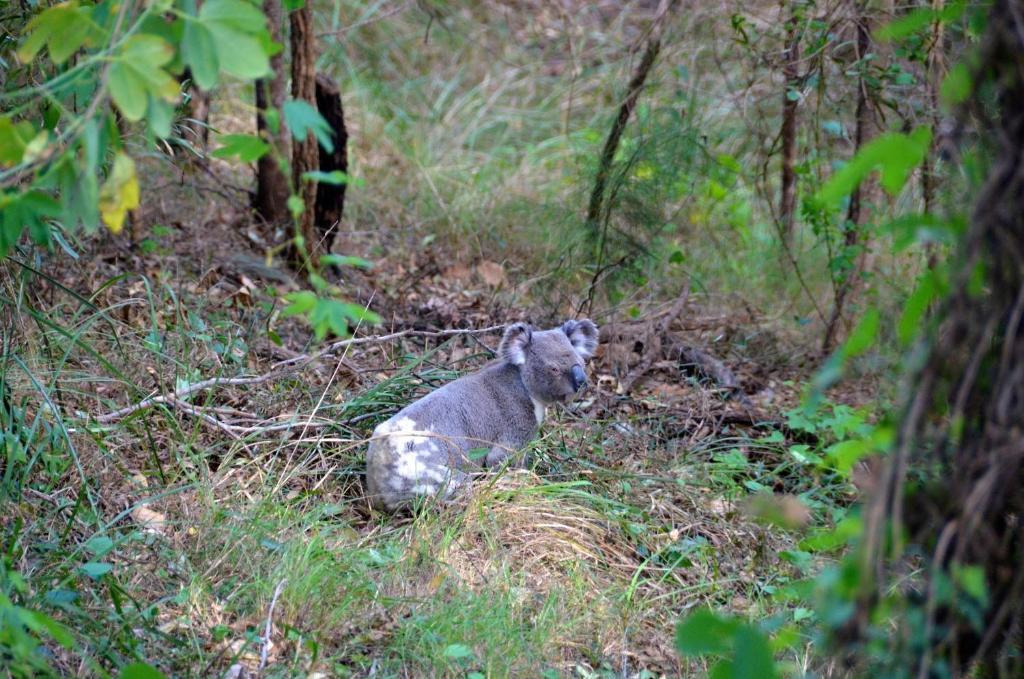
(281, 369)
(655, 330)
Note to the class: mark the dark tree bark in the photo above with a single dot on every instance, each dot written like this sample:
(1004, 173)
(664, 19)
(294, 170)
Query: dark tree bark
(330, 198)
(935, 74)
(954, 483)
(854, 213)
(272, 190)
(787, 192)
(305, 154)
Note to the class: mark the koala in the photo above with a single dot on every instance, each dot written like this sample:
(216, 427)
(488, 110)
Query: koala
(424, 450)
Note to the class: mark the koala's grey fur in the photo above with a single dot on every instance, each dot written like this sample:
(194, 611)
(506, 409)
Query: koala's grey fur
(423, 449)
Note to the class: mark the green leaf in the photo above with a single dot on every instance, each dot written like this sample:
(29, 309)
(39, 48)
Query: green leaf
(918, 19)
(477, 454)
(236, 15)
(928, 289)
(236, 29)
(753, 657)
(345, 260)
(921, 228)
(845, 454)
(972, 580)
(128, 90)
(247, 147)
(43, 624)
(703, 633)
(828, 540)
(329, 315)
(96, 569)
(80, 191)
(199, 52)
(729, 162)
(30, 210)
(295, 205)
(141, 670)
(957, 85)
(300, 302)
(337, 177)
(242, 57)
(301, 118)
(360, 313)
(863, 335)
(458, 651)
(14, 138)
(63, 28)
(99, 545)
(894, 155)
(160, 117)
(833, 127)
(138, 72)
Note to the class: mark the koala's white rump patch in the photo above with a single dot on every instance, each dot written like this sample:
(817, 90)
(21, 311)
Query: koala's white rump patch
(403, 434)
(414, 449)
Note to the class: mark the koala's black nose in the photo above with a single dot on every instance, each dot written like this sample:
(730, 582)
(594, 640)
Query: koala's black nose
(579, 378)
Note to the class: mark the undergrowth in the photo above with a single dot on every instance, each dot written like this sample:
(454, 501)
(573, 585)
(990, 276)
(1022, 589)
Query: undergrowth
(160, 538)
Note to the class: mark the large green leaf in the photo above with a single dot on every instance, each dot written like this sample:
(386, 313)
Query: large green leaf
(138, 73)
(703, 633)
(753, 655)
(247, 147)
(236, 29)
(199, 53)
(63, 28)
(894, 155)
(236, 15)
(30, 210)
(302, 118)
(128, 90)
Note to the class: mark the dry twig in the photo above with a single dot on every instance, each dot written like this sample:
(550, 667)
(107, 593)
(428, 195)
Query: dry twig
(280, 369)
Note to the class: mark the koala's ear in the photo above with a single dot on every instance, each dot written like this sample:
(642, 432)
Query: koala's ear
(514, 342)
(582, 335)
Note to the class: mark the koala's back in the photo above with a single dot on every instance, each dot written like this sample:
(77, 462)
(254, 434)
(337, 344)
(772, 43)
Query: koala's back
(422, 450)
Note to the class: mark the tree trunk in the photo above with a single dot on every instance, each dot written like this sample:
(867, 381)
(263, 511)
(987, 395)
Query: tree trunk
(854, 213)
(272, 190)
(935, 74)
(787, 193)
(954, 482)
(305, 153)
(330, 198)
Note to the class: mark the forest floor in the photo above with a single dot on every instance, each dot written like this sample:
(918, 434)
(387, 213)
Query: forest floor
(226, 532)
